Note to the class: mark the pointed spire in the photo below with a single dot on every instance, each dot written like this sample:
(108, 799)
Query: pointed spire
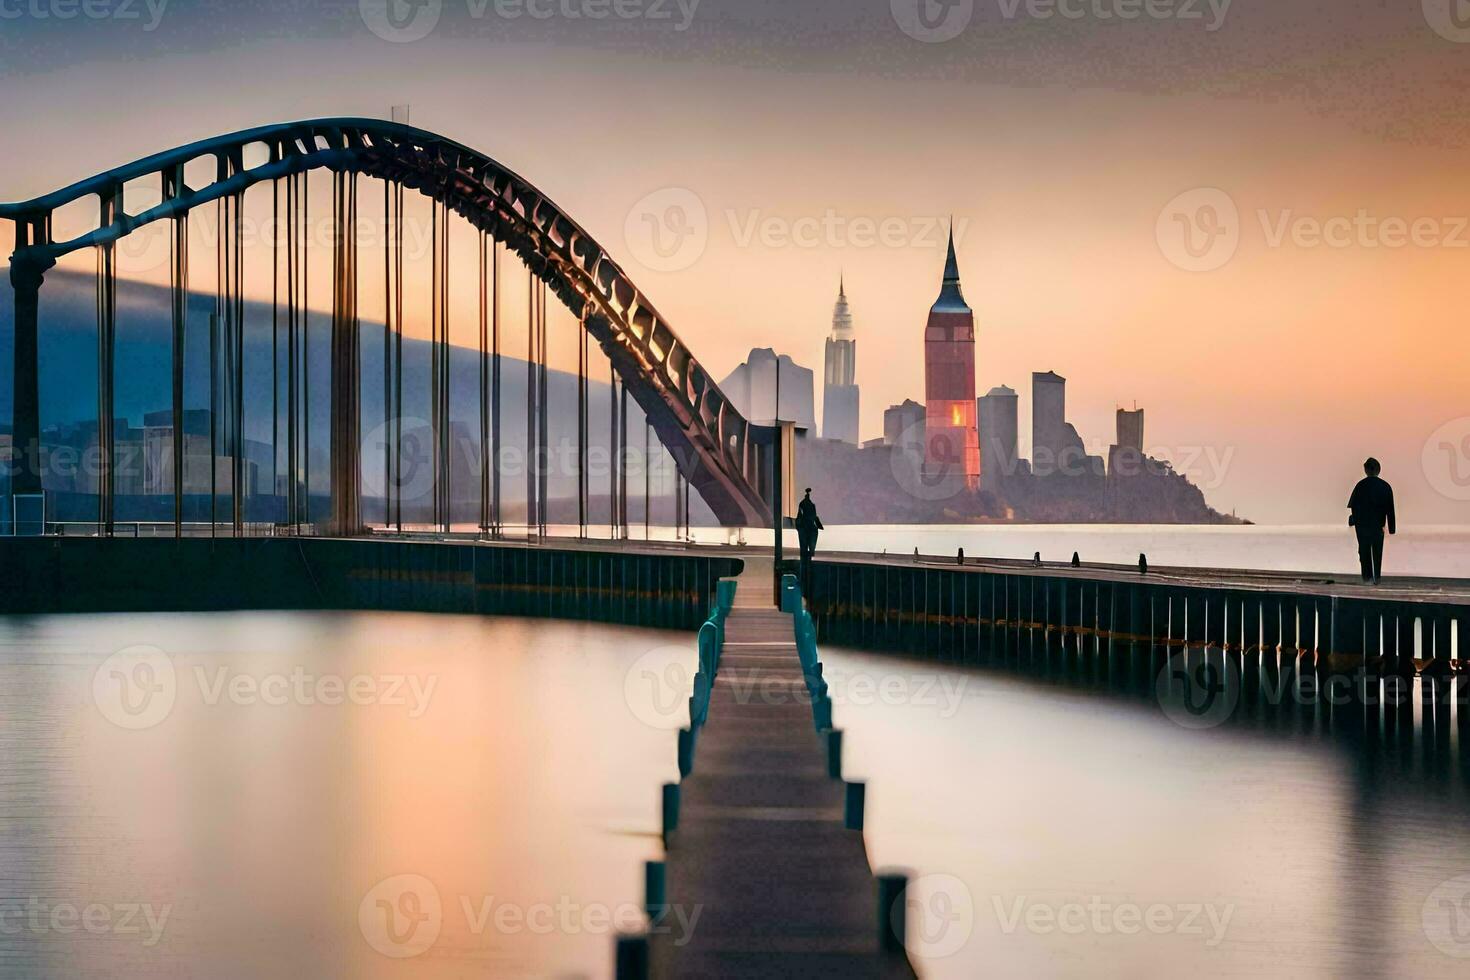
(951, 264)
(842, 285)
(951, 297)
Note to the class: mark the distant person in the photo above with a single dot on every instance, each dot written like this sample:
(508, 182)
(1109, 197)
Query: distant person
(808, 526)
(1372, 506)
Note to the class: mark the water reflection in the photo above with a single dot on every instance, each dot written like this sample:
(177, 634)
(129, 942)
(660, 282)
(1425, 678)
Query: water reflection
(303, 761)
(1063, 825)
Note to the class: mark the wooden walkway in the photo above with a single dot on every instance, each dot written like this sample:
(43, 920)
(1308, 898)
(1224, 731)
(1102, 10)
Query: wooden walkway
(761, 846)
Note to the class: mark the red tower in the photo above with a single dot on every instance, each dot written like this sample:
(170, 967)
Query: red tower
(951, 440)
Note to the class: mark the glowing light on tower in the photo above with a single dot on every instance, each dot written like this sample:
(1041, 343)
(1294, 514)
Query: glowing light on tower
(951, 439)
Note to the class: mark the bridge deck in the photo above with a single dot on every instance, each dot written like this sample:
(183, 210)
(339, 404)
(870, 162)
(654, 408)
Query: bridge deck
(1344, 584)
(761, 846)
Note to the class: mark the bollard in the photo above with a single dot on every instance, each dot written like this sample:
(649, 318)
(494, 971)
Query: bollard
(893, 912)
(834, 753)
(709, 646)
(822, 712)
(671, 810)
(790, 595)
(961, 560)
(655, 890)
(631, 956)
(725, 594)
(856, 802)
(686, 752)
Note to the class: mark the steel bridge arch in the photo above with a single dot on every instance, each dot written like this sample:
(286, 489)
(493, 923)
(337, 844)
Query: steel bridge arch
(725, 457)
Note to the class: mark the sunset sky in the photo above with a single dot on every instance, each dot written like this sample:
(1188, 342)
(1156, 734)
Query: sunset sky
(1072, 151)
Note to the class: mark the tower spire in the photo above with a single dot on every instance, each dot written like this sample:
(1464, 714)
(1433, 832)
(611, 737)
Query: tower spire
(951, 264)
(951, 297)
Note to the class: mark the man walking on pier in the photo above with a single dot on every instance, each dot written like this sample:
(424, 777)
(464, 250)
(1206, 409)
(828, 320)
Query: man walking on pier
(1371, 505)
(808, 524)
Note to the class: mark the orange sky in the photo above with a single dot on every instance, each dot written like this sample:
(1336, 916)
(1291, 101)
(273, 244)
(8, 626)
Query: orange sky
(1281, 369)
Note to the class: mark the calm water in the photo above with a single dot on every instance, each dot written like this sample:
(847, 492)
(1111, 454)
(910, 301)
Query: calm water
(318, 795)
(496, 763)
(1047, 826)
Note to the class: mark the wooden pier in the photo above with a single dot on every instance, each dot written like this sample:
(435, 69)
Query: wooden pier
(767, 842)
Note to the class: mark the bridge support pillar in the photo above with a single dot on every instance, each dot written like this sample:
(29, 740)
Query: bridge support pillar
(346, 449)
(26, 278)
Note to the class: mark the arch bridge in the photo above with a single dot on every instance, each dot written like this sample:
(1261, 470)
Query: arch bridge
(727, 459)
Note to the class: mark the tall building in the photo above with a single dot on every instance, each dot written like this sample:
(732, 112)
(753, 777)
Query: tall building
(999, 453)
(1130, 429)
(903, 426)
(751, 388)
(952, 445)
(1126, 455)
(1055, 445)
(840, 390)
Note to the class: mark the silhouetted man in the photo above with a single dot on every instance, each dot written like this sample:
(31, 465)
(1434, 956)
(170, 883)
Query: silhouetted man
(1371, 505)
(808, 525)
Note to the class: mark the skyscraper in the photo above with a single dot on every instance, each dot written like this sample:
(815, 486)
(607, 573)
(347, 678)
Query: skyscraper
(1056, 448)
(751, 388)
(840, 393)
(999, 456)
(1130, 429)
(952, 445)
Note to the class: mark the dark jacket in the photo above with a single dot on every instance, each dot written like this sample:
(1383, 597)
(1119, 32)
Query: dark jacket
(1372, 505)
(807, 521)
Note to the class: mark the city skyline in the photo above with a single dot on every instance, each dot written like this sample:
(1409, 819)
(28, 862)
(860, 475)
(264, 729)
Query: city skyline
(1059, 207)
